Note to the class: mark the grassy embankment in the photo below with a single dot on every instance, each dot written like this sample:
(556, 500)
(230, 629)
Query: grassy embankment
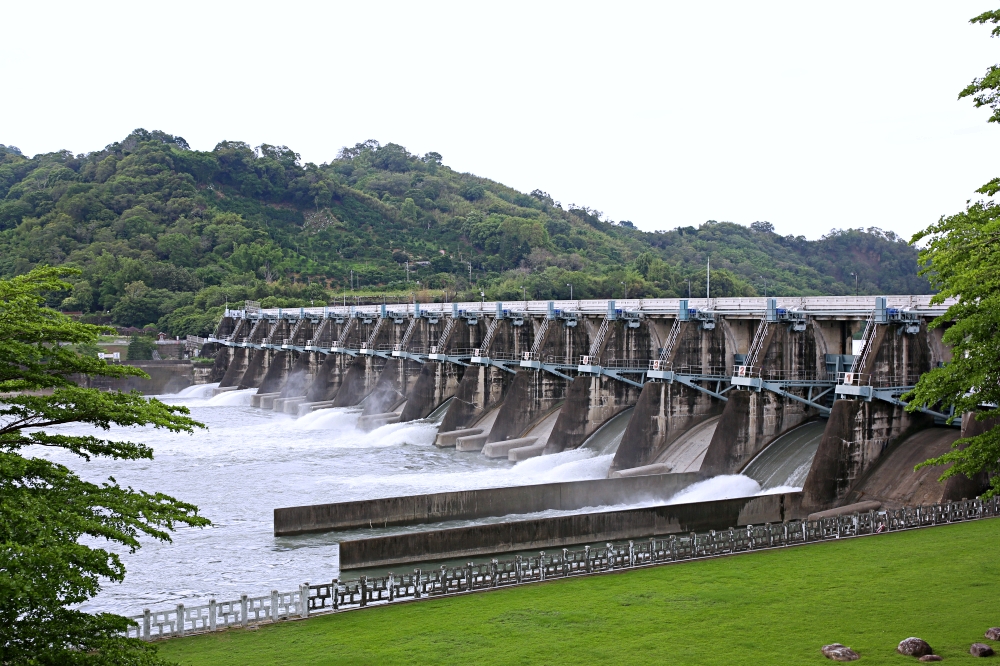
(777, 607)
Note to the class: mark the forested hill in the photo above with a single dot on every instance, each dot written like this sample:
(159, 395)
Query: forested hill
(165, 235)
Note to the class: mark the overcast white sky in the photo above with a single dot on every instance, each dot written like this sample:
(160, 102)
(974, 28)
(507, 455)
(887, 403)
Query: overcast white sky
(809, 115)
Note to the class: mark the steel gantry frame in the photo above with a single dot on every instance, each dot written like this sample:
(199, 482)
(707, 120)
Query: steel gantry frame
(857, 383)
(746, 375)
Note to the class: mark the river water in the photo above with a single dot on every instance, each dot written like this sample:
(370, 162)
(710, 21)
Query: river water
(250, 461)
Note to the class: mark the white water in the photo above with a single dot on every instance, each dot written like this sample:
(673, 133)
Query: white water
(726, 486)
(251, 461)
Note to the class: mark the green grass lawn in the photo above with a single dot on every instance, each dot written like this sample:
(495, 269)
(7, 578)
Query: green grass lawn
(778, 607)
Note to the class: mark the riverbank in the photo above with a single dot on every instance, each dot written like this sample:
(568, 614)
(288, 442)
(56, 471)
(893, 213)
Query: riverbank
(769, 607)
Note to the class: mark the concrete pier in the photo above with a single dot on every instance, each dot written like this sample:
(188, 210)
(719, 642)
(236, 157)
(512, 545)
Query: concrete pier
(860, 432)
(484, 387)
(753, 419)
(439, 381)
(666, 411)
(473, 504)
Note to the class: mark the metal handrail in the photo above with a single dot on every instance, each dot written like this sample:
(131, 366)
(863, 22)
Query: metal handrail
(595, 346)
(874, 379)
(633, 363)
(449, 326)
(540, 335)
(675, 329)
(861, 359)
(758, 342)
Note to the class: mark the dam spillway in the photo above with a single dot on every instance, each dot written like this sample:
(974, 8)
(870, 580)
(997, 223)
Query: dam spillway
(331, 405)
(753, 388)
(710, 382)
(786, 461)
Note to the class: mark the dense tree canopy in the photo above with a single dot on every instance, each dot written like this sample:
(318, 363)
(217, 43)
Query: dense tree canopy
(45, 508)
(961, 257)
(165, 235)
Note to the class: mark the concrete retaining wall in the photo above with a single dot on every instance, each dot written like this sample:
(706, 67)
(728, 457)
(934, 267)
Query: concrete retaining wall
(472, 504)
(164, 377)
(566, 530)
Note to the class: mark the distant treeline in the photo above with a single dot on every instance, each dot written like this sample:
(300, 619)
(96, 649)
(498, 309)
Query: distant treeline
(165, 235)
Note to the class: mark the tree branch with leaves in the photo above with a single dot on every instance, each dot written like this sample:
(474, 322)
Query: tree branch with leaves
(46, 508)
(960, 258)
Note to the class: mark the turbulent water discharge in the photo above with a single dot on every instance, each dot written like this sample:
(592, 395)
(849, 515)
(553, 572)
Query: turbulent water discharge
(251, 461)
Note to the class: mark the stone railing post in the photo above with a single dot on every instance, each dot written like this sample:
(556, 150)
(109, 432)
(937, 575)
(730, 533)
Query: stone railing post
(416, 584)
(244, 615)
(304, 600)
(541, 565)
(180, 620)
(145, 624)
(211, 614)
(274, 606)
(335, 593)
(392, 587)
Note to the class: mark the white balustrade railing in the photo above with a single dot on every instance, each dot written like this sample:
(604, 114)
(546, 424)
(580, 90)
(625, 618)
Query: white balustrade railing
(216, 615)
(336, 595)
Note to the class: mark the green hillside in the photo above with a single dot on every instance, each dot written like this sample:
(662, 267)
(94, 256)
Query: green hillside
(166, 235)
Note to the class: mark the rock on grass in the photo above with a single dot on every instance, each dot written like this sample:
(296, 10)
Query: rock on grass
(993, 633)
(838, 652)
(981, 650)
(914, 647)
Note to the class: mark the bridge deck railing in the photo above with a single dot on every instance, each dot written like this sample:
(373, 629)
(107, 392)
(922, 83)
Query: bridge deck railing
(819, 305)
(877, 379)
(777, 375)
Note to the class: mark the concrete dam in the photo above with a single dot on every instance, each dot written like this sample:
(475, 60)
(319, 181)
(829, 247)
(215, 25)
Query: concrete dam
(802, 395)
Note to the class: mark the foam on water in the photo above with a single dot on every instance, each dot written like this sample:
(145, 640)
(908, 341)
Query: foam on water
(196, 391)
(726, 486)
(335, 418)
(232, 398)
